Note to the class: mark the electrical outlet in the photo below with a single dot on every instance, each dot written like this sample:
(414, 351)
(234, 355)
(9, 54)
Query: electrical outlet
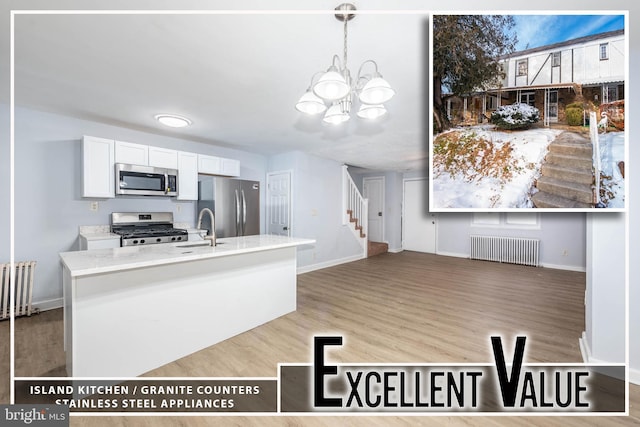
(178, 207)
(565, 252)
(93, 206)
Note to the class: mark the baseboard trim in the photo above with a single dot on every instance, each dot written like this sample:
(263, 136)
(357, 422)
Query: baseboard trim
(609, 368)
(564, 267)
(395, 250)
(545, 265)
(585, 351)
(50, 304)
(326, 264)
(634, 376)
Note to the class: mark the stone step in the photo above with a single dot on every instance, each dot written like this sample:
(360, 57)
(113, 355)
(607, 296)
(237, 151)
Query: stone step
(545, 200)
(567, 174)
(569, 161)
(569, 190)
(571, 149)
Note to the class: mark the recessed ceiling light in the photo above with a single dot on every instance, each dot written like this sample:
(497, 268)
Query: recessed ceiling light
(172, 120)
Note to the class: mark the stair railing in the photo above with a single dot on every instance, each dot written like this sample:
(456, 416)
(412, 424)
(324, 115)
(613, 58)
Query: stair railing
(352, 201)
(593, 133)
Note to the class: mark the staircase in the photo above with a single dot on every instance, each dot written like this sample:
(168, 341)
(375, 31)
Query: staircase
(355, 212)
(567, 174)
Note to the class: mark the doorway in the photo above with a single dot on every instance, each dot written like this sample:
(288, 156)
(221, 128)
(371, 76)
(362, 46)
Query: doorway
(419, 226)
(373, 190)
(279, 203)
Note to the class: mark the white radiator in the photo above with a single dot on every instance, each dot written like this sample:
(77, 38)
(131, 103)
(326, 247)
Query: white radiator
(24, 288)
(512, 250)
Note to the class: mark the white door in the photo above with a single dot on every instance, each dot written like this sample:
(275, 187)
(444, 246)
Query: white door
(373, 189)
(279, 203)
(418, 224)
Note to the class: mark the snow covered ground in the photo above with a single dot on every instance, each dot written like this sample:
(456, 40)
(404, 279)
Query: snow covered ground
(480, 167)
(498, 173)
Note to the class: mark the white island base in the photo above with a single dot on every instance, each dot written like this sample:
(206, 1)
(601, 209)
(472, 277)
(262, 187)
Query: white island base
(128, 318)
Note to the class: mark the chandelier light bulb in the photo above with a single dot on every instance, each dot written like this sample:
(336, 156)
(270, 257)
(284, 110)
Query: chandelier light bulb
(335, 115)
(376, 91)
(310, 103)
(371, 112)
(331, 85)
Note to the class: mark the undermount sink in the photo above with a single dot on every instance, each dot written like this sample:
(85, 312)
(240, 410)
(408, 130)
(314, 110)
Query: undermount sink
(195, 245)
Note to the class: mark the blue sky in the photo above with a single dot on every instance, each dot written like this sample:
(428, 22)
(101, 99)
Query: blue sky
(540, 30)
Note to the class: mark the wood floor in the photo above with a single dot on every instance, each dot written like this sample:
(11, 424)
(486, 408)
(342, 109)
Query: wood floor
(405, 308)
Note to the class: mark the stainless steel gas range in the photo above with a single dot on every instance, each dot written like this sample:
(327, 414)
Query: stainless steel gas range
(146, 228)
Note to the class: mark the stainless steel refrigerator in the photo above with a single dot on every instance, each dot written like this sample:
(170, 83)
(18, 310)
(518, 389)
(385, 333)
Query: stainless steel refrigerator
(235, 204)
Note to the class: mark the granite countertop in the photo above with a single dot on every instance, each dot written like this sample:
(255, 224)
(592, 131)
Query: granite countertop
(84, 263)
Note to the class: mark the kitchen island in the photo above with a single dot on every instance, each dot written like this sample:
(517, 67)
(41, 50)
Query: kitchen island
(133, 309)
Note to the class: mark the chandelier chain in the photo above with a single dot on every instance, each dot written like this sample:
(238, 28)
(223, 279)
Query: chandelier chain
(345, 44)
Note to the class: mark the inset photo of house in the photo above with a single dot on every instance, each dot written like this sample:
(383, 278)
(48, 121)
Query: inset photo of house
(528, 112)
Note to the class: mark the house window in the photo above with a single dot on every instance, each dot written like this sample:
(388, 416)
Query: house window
(604, 51)
(528, 98)
(521, 65)
(555, 59)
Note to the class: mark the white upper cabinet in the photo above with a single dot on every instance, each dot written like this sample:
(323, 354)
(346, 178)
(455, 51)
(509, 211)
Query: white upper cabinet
(212, 165)
(209, 164)
(187, 176)
(133, 154)
(163, 158)
(97, 167)
(230, 167)
(99, 156)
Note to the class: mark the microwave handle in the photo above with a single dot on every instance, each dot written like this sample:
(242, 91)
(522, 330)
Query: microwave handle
(166, 183)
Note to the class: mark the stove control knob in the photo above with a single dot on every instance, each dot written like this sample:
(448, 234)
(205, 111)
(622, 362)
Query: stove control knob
(158, 240)
(179, 237)
(135, 242)
(173, 238)
(141, 241)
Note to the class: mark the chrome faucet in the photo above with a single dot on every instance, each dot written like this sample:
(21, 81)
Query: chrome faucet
(212, 236)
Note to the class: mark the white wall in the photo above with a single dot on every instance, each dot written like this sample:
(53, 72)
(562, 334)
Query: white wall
(5, 175)
(605, 333)
(393, 205)
(48, 203)
(317, 205)
(634, 210)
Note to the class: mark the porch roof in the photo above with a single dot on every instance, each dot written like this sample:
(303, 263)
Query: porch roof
(535, 87)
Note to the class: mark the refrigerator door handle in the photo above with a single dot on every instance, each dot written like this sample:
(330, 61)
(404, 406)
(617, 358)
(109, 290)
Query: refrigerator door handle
(237, 213)
(244, 212)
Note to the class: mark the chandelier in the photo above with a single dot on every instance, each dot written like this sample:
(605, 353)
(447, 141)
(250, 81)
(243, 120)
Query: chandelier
(332, 92)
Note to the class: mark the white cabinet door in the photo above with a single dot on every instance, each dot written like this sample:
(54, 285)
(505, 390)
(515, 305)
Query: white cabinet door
(230, 167)
(133, 154)
(97, 167)
(187, 176)
(209, 164)
(163, 158)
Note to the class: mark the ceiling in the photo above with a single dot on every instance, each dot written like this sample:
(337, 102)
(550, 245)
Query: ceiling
(236, 75)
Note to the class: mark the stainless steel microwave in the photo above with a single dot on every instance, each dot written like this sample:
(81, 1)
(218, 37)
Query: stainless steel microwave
(146, 180)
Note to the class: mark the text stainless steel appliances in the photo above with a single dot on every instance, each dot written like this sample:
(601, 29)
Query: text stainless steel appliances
(235, 204)
(146, 228)
(146, 180)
